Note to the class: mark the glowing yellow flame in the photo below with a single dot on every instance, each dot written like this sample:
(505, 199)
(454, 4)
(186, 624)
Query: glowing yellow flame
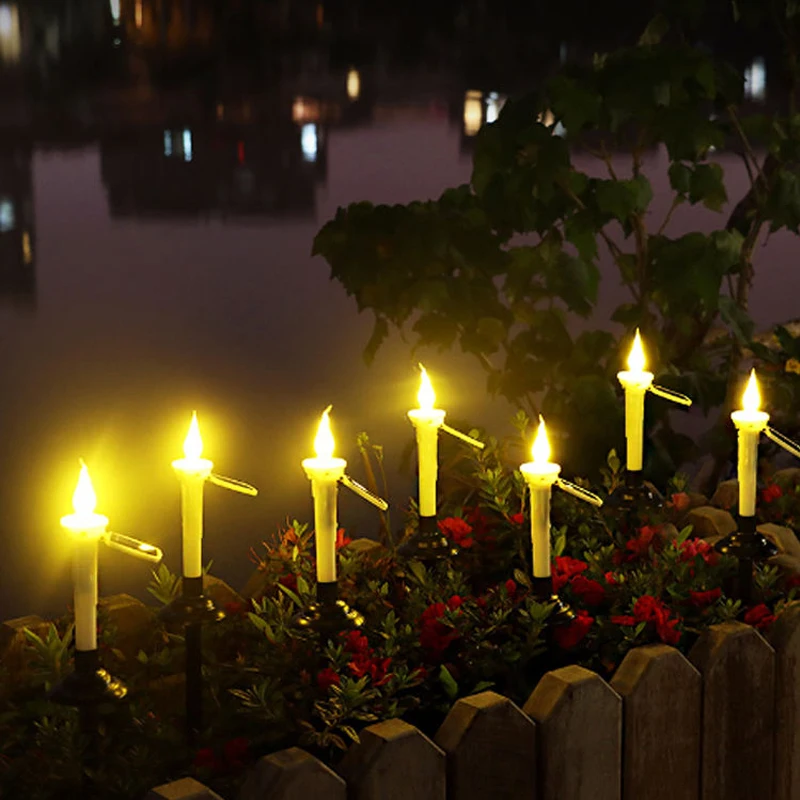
(426, 397)
(473, 113)
(636, 360)
(193, 443)
(84, 500)
(541, 445)
(323, 443)
(353, 84)
(751, 400)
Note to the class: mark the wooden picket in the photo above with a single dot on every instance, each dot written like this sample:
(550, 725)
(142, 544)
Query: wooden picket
(662, 710)
(785, 638)
(738, 669)
(722, 725)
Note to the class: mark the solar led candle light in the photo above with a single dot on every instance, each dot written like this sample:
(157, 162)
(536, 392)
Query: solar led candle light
(89, 685)
(746, 543)
(193, 471)
(637, 381)
(326, 472)
(750, 421)
(541, 475)
(428, 421)
(89, 529)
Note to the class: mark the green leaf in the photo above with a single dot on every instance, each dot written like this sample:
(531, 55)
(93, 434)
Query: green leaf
(621, 199)
(737, 319)
(290, 594)
(655, 31)
(379, 333)
(707, 186)
(680, 177)
(580, 231)
(448, 682)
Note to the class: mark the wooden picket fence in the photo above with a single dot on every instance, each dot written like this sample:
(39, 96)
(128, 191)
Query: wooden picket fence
(723, 724)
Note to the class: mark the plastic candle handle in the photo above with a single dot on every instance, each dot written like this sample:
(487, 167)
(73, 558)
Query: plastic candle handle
(233, 485)
(668, 394)
(463, 437)
(133, 547)
(364, 493)
(783, 441)
(579, 492)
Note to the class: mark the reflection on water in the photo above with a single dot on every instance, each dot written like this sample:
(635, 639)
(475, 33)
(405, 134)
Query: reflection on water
(164, 165)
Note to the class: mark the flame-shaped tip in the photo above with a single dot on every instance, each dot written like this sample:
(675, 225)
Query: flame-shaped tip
(323, 442)
(84, 499)
(636, 359)
(751, 400)
(426, 397)
(541, 444)
(193, 443)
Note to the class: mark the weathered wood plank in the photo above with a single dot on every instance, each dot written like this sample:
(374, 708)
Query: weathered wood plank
(292, 774)
(579, 730)
(491, 749)
(662, 713)
(394, 761)
(738, 670)
(785, 638)
(184, 789)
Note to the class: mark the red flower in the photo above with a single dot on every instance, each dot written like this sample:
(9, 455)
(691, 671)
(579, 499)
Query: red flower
(666, 630)
(235, 752)
(760, 617)
(341, 539)
(207, 759)
(641, 544)
(624, 620)
(648, 608)
(651, 609)
(328, 677)
(703, 599)
(377, 669)
(235, 609)
(611, 578)
(480, 523)
(680, 501)
(454, 602)
(568, 636)
(771, 492)
(591, 592)
(517, 519)
(457, 530)
(692, 548)
(289, 581)
(565, 569)
(434, 636)
(356, 642)
(511, 588)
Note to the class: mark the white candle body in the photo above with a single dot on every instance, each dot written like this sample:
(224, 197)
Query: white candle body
(540, 479)
(192, 473)
(325, 474)
(427, 423)
(85, 593)
(87, 530)
(636, 384)
(750, 424)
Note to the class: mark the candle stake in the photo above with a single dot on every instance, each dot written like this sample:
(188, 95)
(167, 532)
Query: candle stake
(328, 615)
(749, 547)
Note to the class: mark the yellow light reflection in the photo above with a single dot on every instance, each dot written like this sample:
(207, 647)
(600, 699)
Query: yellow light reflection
(353, 84)
(473, 112)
